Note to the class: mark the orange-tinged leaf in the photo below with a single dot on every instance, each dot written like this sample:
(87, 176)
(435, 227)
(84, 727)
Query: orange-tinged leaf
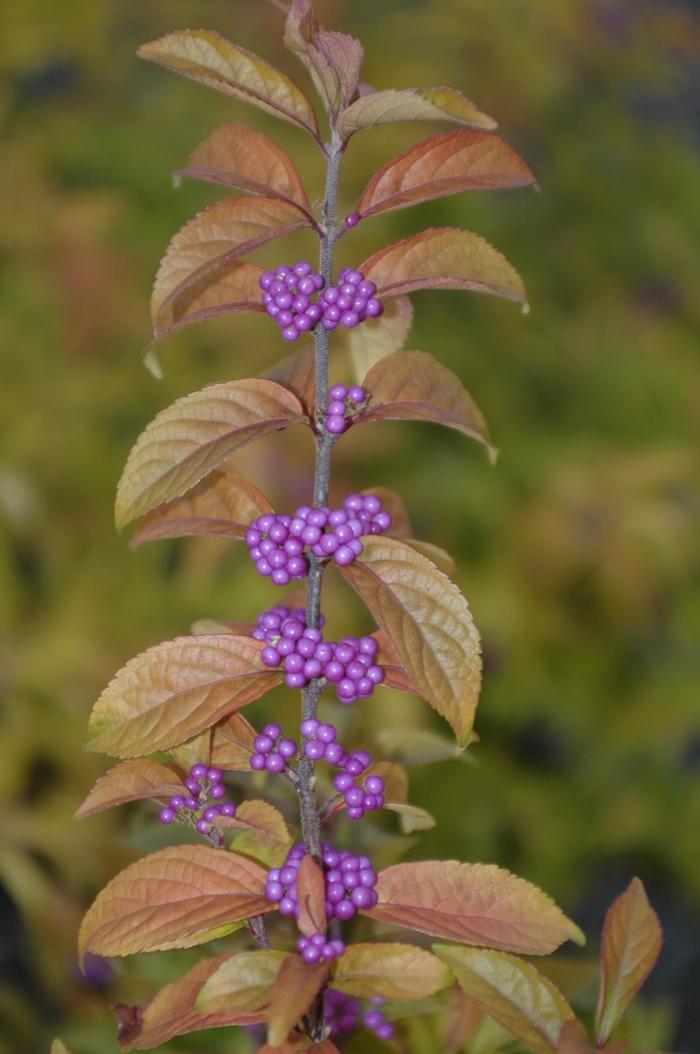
(443, 258)
(474, 904)
(414, 386)
(232, 744)
(175, 898)
(221, 506)
(260, 832)
(573, 1040)
(397, 972)
(311, 898)
(209, 58)
(632, 939)
(193, 751)
(393, 503)
(292, 994)
(511, 992)
(444, 164)
(411, 104)
(377, 337)
(176, 689)
(298, 372)
(173, 1012)
(195, 274)
(191, 438)
(332, 59)
(427, 622)
(240, 157)
(462, 1023)
(130, 781)
(57, 1047)
(241, 983)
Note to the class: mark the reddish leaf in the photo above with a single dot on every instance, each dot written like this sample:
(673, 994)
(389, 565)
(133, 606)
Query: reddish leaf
(573, 1040)
(230, 290)
(411, 104)
(209, 58)
(311, 898)
(292, 994)
(222, 506)
(301, 1044)
(443, 258)
(298, 373)
(191, 438)
(473, 904)
(377, 337)
(395, 676)
(205, 626)
(176, 898)
(232, 744)
(397, 972)
(174, 690)
(332, 59)
(131, 781)
(241, 983)
(237, 156)
(632, 939)
(462, 1023)
(444, 164)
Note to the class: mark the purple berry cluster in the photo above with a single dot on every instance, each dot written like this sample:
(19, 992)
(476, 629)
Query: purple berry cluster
(350, 882)
(343, 1015)
(344, 403)
(272, 753)
(286, 296)
(318, 949)
(204, 804)
(321, 745)
(349, 302)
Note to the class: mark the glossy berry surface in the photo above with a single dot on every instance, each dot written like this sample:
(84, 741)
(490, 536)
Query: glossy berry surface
(319, 949)
(271, 752)
(286, 297)
(352, 300)
(275, 551)
(342, 406)
(350, 882)
(205, 805)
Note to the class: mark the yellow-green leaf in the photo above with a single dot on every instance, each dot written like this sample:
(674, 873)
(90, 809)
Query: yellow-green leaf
(411, 104)
(397, 972)
(241, 983)
(131, 781)
(292, 994)
(57, 1047)
(376, 337)
(412, 818)
(259, 831)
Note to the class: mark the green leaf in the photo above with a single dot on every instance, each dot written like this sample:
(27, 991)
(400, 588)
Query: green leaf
(412, 818)
(241, 983)
(400, 973)
(411, 104)
(259, 831)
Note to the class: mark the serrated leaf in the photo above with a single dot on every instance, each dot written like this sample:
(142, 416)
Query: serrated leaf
(411, 104)
(131, 781)
(232, 744)
(174, 690)
(376, 337)
(222, 505)
(414, 386)
(292, 994)
(428, 623)
(175, 898)
(241, 983)
(441, 165)
(443, 258)
(332, 59)
(200, 274)
(173, 1012)
(632, 939)
(239, 157)
(209, 58)
(397, 972)
(298, 372)
(311, 898)
(191, 438)
(260, 832)
(412, 818)
(474, 904)
(511, 992)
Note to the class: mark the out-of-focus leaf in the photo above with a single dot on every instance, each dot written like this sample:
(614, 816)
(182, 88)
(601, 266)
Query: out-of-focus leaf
(418, 746)
(176, 689)
(240, 157)
(428, 623)
(301, 1044)
(414, 386)
(292, 994)
(222, 506)
(173, 1011)
(241, 983)
(176, 898)
(228, 290)
(444, 164)
(463, 1021)
(204, 626)
(209, 58)
(573, 1040)
(194, 751)
(332, 59)
(57, 1047)
(260, 832)
(443, 258)
(398, 972)
(411, 104)
(298, 372)
(512, 992)
(474, 904)
(232, 744)
(632, 939)
(131, 781)
(412, 818)
(191, 438)
(437, 555)
(311, 898)
(393, 503)
(377, 337)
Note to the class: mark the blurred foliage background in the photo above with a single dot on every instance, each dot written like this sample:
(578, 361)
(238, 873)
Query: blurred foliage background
(579, 551)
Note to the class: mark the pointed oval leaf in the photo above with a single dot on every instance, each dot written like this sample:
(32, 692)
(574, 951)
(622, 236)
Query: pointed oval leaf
(228, 290)
(176, 898)
(377, 337)
(397, 972)
(239, 157)
(332, 59)
(298, 372)
(131, 781)
(221, 506)
(292, 994)
(232, 744)
(474, 904)
(411, 104)
(311, 898)
(173, 1011)
(428, 623)
(444, 164)
(632, 939)
(241, 983)
(191, 438)
(209, 58)
(176, 689)
(444, 258)
(411, 816)
(200, 256)
(414, 386)
(512, 992)
(260, 832)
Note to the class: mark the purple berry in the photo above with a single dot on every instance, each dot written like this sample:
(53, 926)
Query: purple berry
(198, 772)
(217, 791)
(227, 809)
(166, 815)
(352, 219)
(203, 827)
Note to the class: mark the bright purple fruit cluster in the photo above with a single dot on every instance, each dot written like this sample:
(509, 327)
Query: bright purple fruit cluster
(344, 403)
(204, 804)
(343, 1015)
(272, 753)
(287, 293)
(318, 949)
(322, 745)
(350, 882)
(275, 551)
(349, 302)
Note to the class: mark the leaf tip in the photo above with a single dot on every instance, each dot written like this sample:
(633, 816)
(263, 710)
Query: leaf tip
(151, 361)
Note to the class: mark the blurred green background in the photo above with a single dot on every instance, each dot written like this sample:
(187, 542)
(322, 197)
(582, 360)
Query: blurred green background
(579, 552)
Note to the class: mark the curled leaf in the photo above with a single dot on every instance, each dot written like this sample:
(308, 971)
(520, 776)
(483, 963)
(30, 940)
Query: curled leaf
(332, 59)
(260, 832)
(292, 994)
(311, 898)
(411, 104)
(131, 781)
(241, 983)
(397, 972)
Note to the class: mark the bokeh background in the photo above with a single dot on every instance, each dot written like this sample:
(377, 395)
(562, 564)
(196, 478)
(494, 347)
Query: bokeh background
(579, 551)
